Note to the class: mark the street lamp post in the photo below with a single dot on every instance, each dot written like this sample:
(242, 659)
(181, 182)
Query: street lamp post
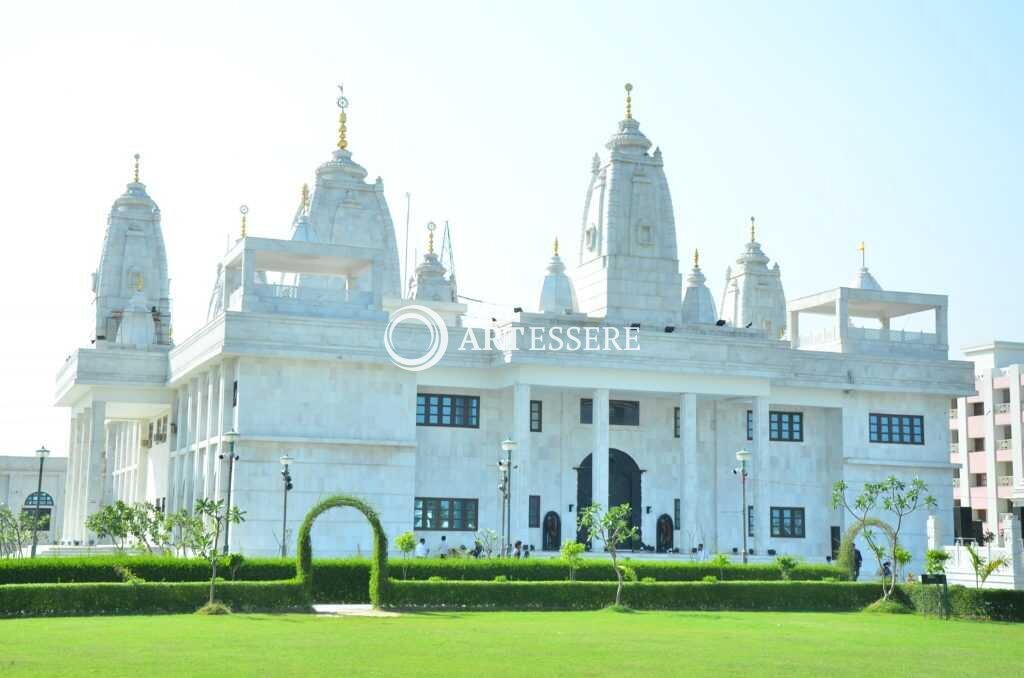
(230, 437)
(42, 453)
(508, 446)
(286, 479)
(743, 457)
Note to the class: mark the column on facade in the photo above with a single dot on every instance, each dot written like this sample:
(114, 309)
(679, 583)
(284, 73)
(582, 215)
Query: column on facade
(521, 459)
(991, 466)
(71, 478)
(690, 505)
(80, 474)
(188, 455)
(212, 432)
(758, 486)
(220, 427)
(111, 463)
(599, 454)
(842, 316)
(141, 462)
(1016, 429)
(97, 415)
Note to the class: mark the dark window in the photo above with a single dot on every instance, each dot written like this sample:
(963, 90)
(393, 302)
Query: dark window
(750, 521)
(534, 510)
(623, 413)
(445, 514)
(39, 506)
(787, 426)
(678, 512)
(536, 416)
(900, 429)
(620, 412)
(234, 393)
(750, 424)
(447, 410)
(787, 521)
(977, 409)
(676, 431)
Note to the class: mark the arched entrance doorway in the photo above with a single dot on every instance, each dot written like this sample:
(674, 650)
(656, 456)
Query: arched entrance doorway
(623, 488)
(664, 533)
(552, 532)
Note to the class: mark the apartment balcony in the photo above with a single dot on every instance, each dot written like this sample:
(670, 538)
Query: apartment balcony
(953, 413)
(956, 482)
(954, 448)
(1002, 408)
(1004, 444)
(1004, 490)
(1005, 481)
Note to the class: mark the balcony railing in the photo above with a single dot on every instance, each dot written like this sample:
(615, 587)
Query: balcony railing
(954, 448)
(953, 414)
(956, 482)
(1005, 481)
(1003, 408)
(1004, 444)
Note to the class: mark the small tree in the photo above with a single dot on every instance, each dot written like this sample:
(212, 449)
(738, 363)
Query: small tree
(15, 532)
(146, 524)
(488, 540)
(572, 554)
(900, 500)
(112, 521)
(406, 543)
(982, 567)
(203, 536)
(786, 565)
(611, 527)
(935, 561)
(721, 561)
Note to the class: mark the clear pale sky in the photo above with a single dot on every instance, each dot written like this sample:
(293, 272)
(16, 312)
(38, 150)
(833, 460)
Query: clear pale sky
(897, 123)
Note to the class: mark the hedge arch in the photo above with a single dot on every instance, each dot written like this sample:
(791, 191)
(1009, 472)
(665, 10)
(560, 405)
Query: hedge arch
(379, 563)
(845, 560)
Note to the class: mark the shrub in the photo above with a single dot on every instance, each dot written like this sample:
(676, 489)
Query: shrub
(786, 565)
(888, 606)
(500, 577)
(935, 561)
(648, 580)
(709, 579)
(436, 579)
(213, 609)
(52, 600)
(994, 604)
(778, 596)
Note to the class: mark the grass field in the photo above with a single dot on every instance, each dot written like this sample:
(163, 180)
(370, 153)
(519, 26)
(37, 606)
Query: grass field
(512, 644)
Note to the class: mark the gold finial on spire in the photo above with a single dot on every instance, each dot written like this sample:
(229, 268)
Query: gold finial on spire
(305, 198)
(243, 210)
(752, 238)
(696, 258)
(135, 175)
(862, 249)
(342, 119)
(430, 237)
(140, 283)
(629, 101)
(556, 245)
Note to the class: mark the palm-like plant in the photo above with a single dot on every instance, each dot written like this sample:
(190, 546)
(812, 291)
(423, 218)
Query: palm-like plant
(983, 568)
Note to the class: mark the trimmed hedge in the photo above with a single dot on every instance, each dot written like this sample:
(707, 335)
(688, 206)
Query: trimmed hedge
(763, 596)
(150, 568)
(993, 604)
(51, 600)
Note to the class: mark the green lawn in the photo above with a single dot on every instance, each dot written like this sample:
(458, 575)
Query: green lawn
(512, 644)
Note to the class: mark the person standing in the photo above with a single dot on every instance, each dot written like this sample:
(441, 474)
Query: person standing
(518, 551)
(442, 550)
(858, 560)
(421, 549)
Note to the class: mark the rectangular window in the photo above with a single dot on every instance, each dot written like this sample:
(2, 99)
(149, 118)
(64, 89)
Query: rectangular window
(786, 426)
(676, 425)
(536, 416)
(620, 412)
(750, 521)
(678, 513)
(899, 429)
(445, 514)
(434, 409)
(234, 393)
(534, 510)
(788, 521)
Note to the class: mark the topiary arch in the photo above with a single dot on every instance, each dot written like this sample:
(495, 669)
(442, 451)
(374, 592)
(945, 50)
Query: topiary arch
(379, 563)
(845, 560)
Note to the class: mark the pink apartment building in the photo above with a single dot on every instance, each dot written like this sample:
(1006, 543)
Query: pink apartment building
(985, 441)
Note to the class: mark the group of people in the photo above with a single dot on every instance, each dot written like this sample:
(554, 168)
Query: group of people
(444, 549)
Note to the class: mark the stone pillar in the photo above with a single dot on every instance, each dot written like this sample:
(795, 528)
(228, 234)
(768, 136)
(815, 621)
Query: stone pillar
(842, 318)
(599, 454)
(691, 507)
(212, 430)
(96, 443)
(1016, 432)
(987, 392)
(757, 481)
(794, 329)
(942, 326)
(71, 478)
(521, 485)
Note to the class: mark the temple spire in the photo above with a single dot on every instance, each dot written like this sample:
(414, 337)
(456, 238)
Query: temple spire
(342, 119)
(629, 101)
(696, 258)
(430, 237)
(752, 230)
(243, 210)
(135, 173)
(863, 254)
(305, 199)
(556, 245)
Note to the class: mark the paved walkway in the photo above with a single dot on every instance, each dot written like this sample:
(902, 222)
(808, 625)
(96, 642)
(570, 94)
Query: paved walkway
(352, 611)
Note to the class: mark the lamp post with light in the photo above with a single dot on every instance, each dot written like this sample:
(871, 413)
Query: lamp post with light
(229, 437)
(743, 457)
(42, 453)
(286, 478)
(505, 487)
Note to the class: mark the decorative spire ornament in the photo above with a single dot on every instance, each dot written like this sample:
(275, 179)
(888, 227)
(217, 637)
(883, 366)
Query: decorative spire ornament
(696, 258)
(342, 119)
(135, 174)
(752, 232)
(556, 245)
(305, 198)
(629, 101)
(863, 256)
(430, 237)
(243, 210)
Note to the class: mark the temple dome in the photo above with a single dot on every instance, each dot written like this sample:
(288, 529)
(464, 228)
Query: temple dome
(865, 281)
(698, 304)
(557, 295)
